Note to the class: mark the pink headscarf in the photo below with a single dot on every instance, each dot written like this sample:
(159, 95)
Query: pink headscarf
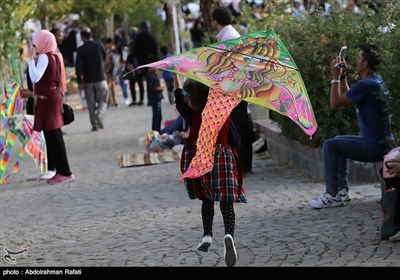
(45, 42)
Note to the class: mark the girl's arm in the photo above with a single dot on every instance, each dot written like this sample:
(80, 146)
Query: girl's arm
(177, 82)
(36, 70)
(181, 106)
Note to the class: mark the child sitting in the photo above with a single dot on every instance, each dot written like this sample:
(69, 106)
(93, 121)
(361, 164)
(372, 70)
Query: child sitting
(156, 142)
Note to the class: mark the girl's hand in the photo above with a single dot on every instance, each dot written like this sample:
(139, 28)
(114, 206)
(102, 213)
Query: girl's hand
(177, 82)
(25, 93)
(32, 52)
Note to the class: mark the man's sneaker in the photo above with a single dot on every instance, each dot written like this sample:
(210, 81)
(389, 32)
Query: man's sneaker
(230, 254)
(395, 237)
(100, 123)
(58, 179)
(326, 200)
(205, 243)
(47, 175)
(344, 194)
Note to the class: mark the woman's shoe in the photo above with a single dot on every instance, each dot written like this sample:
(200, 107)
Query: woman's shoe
(58, 179)
(205, 243)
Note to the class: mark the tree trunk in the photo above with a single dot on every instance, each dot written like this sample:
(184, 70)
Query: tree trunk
(170, 27)
(207, 7)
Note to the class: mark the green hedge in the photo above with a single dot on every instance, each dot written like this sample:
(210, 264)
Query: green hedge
(315, 41)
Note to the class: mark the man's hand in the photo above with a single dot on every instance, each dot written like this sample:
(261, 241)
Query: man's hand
(335, 71)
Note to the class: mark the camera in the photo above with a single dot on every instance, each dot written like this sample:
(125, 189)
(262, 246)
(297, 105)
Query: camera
(341, 55)
(340, 65)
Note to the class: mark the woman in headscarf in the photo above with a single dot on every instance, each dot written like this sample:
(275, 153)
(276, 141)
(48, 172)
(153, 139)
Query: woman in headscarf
(46, 69)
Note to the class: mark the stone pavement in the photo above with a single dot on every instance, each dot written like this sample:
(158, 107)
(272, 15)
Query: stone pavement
(142, 216)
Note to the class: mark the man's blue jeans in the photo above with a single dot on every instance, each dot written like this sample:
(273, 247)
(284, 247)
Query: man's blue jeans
(337, 150)
(157, 116)
(124, 86)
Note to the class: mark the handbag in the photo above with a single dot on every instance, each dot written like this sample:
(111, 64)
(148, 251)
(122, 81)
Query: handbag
(67, 111)
(68, 114)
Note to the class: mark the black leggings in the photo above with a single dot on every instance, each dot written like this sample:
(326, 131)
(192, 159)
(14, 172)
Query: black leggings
(56, 152)
(228, 215)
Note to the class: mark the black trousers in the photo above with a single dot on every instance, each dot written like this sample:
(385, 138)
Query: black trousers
(139, 79)
(56, 152)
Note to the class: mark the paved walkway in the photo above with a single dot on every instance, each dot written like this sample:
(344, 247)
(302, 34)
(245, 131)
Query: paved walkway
(141, 216)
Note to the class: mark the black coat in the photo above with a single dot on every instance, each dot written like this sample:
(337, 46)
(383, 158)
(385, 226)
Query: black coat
(244, 127)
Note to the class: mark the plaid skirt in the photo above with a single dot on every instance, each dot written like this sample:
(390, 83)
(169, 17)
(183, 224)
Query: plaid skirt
(221, 183)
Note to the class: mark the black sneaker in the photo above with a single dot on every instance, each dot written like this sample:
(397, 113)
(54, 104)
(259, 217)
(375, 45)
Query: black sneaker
(205, 243)
(230, 254)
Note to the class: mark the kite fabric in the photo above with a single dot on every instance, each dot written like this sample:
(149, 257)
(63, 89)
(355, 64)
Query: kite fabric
(14, 126)
(257, 68)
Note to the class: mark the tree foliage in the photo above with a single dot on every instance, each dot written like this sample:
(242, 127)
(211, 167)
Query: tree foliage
(95, 14)
(13, 13)
(316, 40)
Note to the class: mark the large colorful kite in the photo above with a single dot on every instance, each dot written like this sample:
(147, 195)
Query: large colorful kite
(14, 125)
(257, 68)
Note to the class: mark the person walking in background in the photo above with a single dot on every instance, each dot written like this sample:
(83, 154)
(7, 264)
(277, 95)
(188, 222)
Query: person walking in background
(222, 19)
(112, 66)
(371, 97)
(122, 80)
(69, 45)
(123, 51)
(197, 34)
(59, 38)
(168, 76)
(134, 77)
(90, 73)
(154, 93)
(145, 45)
(224, 182)
(49, 84)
